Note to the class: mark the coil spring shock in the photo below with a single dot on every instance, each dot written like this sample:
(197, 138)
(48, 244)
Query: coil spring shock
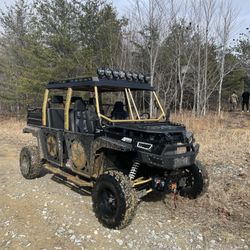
(133, 171)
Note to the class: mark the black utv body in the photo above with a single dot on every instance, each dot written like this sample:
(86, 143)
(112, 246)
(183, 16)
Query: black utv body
(123, 153)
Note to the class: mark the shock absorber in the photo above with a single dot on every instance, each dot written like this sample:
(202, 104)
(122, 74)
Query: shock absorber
(133, 170)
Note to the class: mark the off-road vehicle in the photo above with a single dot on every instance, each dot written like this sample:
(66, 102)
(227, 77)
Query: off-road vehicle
(97, 131)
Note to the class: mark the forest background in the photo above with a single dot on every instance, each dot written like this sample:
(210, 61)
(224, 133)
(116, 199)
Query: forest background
(185, 46)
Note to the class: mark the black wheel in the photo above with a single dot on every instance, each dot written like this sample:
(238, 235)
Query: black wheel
(114, 199)
(30, 164)
(196, 181)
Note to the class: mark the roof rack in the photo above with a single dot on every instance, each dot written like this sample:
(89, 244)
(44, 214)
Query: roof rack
(104, 84)
(73, 80)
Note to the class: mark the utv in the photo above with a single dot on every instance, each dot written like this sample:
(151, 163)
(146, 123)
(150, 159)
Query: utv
(96, 131)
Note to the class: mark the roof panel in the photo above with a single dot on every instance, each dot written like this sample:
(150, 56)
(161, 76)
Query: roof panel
(103, 84)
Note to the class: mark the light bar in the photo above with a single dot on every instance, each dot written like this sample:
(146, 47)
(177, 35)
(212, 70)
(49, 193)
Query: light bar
(122, 75)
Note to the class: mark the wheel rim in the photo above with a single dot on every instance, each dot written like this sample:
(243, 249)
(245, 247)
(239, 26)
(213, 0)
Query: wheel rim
(25, 164)
(108, 203)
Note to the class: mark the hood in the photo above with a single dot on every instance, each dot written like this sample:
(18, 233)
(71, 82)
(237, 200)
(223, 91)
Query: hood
(153, 127)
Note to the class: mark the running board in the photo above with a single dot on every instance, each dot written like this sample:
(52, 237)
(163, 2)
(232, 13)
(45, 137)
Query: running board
(74, 179)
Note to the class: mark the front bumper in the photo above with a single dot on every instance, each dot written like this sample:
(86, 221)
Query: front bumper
(170, 162)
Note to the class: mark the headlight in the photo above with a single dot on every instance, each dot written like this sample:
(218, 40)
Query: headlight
(129, 76)
(189, 137)
(100, 73)
(135, 76)
(147, 79)
(108, 73)
(115, 74)
(122, 74)
(140, 77)
(144, 145)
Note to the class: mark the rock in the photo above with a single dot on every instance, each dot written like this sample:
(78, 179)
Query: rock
(130, 244)
(119, 241)
(72, 237)
(71, 231)
(200, 237)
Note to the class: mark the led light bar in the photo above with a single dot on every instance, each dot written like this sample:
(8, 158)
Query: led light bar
(122, 75)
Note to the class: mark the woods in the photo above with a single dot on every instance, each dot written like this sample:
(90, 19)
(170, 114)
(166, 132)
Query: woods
(186, 47)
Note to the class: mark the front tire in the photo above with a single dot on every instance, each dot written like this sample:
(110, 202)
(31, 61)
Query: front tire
(197, 181)
(30, 164)
(114, 199)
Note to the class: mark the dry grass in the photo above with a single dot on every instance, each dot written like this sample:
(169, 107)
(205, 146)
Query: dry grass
(11, 132)
(225, 151)
(200, 123)
(224, 138)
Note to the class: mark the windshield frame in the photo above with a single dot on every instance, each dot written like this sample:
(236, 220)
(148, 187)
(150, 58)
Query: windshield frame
(131, 105)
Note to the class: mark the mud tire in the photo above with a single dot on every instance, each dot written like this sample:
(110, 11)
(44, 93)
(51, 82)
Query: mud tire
(30, 164)
(200, 181)
(114, 199)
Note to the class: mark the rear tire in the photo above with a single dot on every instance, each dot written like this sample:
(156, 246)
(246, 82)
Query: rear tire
(114, 199)
(197, 181)
(30, 164)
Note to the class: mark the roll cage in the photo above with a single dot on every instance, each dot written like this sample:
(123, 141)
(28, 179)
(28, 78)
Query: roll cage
(98, 86)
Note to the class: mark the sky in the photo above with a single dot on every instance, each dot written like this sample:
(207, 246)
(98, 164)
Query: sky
(242, 7)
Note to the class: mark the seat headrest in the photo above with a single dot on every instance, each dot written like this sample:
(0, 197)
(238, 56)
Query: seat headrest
(75, 98)
(118, 106)
(79, 105)
(58, 99)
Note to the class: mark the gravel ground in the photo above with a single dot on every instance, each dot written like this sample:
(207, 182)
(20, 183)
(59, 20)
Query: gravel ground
(45, 214)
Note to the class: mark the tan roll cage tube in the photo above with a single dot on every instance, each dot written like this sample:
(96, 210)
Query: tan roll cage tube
(130, 99)
(66, 108)
(44, 107)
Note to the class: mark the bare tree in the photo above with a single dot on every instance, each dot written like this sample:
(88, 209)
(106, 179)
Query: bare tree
(226, 20)
(153, 19)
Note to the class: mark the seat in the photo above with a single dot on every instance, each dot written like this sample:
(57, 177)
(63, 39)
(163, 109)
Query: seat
(93, 122)
(118, 112)
(78, 117)
(55, 112)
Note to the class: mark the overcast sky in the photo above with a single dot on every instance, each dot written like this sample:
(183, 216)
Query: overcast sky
(243, 7)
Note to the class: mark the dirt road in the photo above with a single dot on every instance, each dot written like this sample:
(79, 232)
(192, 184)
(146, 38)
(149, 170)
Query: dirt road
(44, 214)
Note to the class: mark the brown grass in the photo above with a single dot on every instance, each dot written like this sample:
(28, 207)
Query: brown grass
(200, 123)
(11, 132)
(225, 151)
